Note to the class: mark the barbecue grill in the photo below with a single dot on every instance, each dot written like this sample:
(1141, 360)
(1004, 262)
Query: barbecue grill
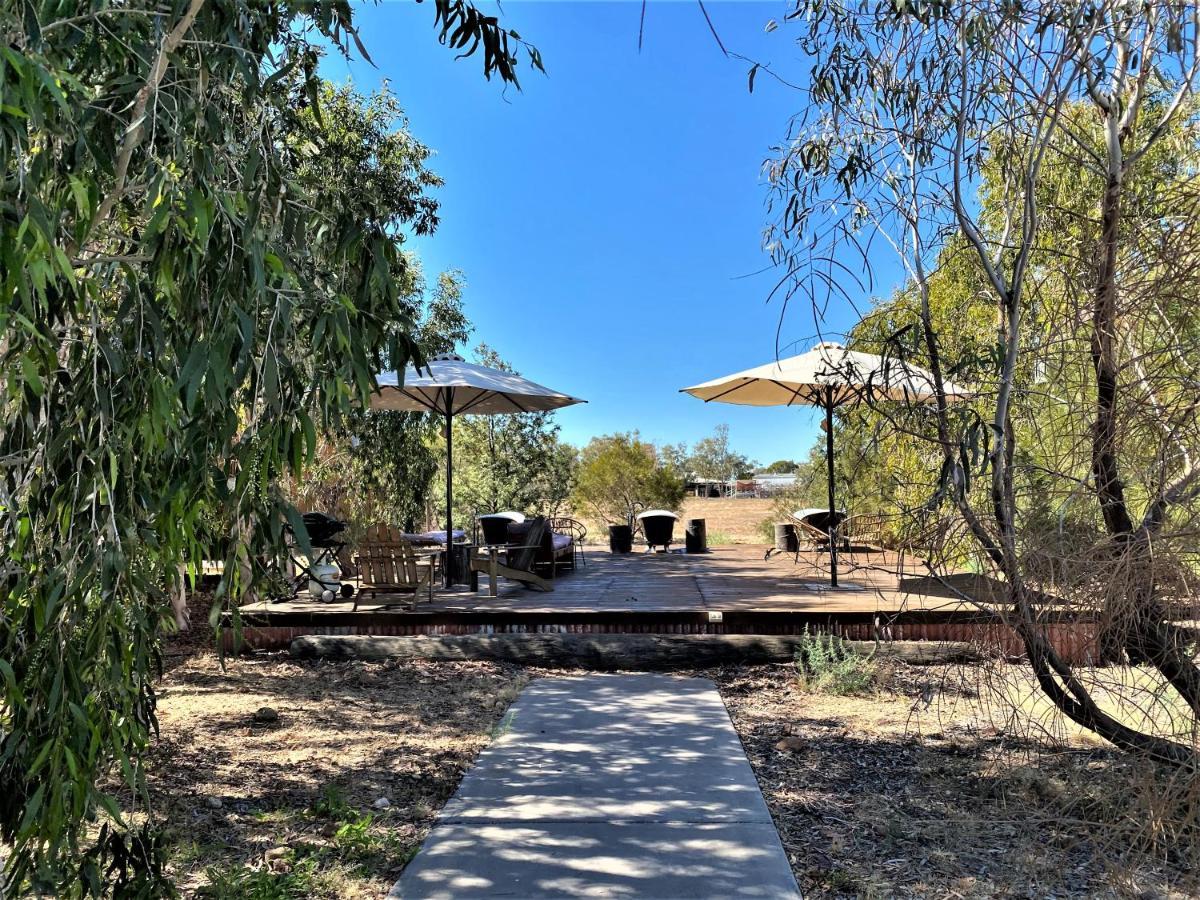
(324, 537)
(323, 530)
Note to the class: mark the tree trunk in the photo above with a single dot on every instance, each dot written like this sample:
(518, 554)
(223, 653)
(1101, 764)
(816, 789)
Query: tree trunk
(1139, 621)
(1109, 488)
(1058, 682)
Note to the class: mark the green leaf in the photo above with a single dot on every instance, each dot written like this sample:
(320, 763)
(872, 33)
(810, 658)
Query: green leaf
(299, 530)
(110, 806)
(29, 371)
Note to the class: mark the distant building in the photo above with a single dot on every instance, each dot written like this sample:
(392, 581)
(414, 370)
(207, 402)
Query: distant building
(768, 485)
(764, 485)
(708, 487)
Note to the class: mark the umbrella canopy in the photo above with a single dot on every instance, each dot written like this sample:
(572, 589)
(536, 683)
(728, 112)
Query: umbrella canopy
(828, 376)
(451, 386)
(827, 372)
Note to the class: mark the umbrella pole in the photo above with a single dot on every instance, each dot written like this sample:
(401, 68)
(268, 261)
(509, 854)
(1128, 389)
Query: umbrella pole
(449, 566)
(833, 536)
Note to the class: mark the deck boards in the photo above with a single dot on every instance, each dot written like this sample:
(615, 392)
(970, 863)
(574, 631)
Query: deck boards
(727, 579)
(732, 590)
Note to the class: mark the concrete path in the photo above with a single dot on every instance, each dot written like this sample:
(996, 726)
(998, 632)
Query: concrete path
(624, 786)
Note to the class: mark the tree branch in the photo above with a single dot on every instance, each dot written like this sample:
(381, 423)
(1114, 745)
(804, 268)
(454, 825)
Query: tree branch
(137, 120)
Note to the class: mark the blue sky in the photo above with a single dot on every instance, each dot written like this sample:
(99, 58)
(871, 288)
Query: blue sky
(608, 217)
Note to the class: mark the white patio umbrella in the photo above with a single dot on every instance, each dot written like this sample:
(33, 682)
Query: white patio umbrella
(828, 376)
(450, 386)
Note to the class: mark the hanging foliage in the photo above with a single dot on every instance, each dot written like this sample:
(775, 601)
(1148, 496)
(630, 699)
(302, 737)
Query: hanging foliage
(185, 305)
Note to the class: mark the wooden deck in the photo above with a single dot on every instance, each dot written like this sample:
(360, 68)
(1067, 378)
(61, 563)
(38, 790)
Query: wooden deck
(730, 590)
(735, 578)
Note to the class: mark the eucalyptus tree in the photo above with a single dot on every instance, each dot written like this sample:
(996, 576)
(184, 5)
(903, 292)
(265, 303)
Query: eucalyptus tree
(383, 464)
(620, 475)
(395, 457)
(713, 458)
(916, 110)
(507, 462)
(184, 307)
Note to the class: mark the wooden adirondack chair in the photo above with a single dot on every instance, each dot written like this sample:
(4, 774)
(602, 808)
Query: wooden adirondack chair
(516, 561)
(389, 565)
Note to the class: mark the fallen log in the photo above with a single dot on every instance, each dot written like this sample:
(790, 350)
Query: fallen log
(611, 651)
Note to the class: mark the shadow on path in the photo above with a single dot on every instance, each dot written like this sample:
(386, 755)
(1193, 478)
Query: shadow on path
(607, 786)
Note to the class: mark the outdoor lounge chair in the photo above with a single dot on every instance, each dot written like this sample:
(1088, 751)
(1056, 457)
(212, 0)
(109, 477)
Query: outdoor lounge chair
(865, 532)
(562, 526)
(574, 529)
(555, 551)
(518, 559)
(808, 535)
(388, 564)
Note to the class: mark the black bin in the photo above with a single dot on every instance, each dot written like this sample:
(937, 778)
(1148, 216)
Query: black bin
(620, 538)
(696, 538)
(785, 537)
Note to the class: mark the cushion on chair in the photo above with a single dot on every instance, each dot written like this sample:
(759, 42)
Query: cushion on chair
(433, 537)
(517, 532)
(553, 544)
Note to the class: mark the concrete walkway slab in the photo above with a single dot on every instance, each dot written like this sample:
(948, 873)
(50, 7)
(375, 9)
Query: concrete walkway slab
(626, 786)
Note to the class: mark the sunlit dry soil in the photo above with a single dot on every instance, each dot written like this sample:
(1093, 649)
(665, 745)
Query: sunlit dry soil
(292, 799)
(928, 787)
(931, 788)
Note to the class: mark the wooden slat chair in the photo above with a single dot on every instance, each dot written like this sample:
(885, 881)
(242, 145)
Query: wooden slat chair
(388, 564)
(921, 539)
(808, 534)
(516, 561)
(809, 537)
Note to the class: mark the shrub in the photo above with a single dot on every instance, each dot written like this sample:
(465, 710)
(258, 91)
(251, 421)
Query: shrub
(620, 475)
(803, 493)
(826, 665)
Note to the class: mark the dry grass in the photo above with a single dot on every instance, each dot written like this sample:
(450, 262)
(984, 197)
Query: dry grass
(917, 792)
(1137, 696)
(736, 519)
(924, 788)
(729, 520)
(284, 807)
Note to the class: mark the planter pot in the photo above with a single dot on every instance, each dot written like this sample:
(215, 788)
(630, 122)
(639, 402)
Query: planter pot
(495, 526)
(785, 537)
(620, 538)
